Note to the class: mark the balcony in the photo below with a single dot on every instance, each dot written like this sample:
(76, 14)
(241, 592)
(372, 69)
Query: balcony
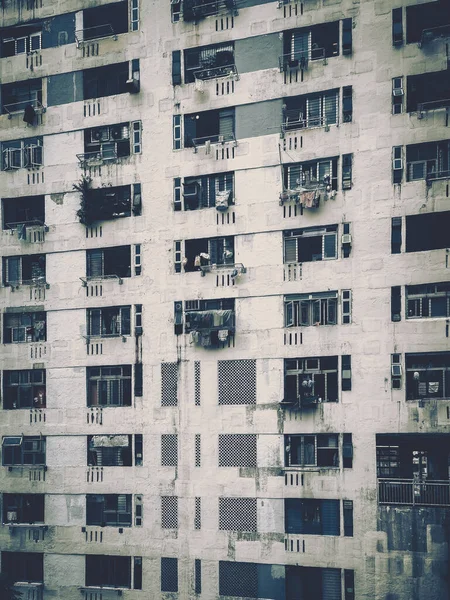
(433, 33)
(410, 492)
(30, 591)
(30, 108)
(213, 140)
(32, 232)
(92, 34)
(194, 10)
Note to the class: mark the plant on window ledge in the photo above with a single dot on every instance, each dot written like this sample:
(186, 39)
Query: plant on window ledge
(84, 213)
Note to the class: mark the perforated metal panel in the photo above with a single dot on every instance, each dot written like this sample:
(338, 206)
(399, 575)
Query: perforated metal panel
(198, 513)
(238, 514)
(169, 450)
(237, 381)
(169, 512)
(237, 450)
(197, 383)
(169, 384)
(169, 575)
(198, 450)
(238, 579)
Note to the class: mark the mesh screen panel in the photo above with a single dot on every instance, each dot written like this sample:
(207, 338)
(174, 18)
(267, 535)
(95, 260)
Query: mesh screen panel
(237, 381)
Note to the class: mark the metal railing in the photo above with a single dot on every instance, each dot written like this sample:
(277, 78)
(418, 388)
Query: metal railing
(196, 9)
(408, 492)
(213, 140)
(19, 107)
(218, 72)
(94, 33)
(98, 157)
(431, 105)
(428, 35)
(86, 280)
(235, 268)
(293, 119)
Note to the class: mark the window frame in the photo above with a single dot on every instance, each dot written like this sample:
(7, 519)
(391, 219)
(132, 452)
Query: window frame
(24, 456)
(37, 389)
(321, 304)
(102, 381)
(117, 321)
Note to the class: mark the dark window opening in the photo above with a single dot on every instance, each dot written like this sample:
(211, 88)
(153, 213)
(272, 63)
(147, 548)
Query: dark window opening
(17, 96)
(311, 516)
(428, 91)
(109, 510)
(428, 376)
(347, 34)
(311, 380)
(206, 192)
(26, 210)
(109, 571)
(313, 43)
(210, 316)
(396, 235)
(21, 40)
(312, 110)
(347, 451)
(321, 172)
(112, 321)
(28, 269)
(24, 389)
(310, 244)
(18, 154)
(105, 81)
(24, 327)
(428, 161)
(23, 450)
(397, 26)
(104, 262)
(23, 508)
(213, 126)
(208, 251)
(107, 203)
(396, 303)
(109, 386)
(429, 231)
(422, 18)
(314, 450)
(24, 566)
(428, 300)
(102, 21)
(194, 10)
(109, 451)
(209, 62)
(347, 104)
(169, 574)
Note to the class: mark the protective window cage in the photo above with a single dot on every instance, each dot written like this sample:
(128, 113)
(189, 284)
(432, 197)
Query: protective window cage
(202, 254)
(195, 10)
(109, 510)
(320, 308)
(427, 376)
(24, 270)
(310, 381)
(169, 384)
(310, 244)
(308, 44)
(238, 514)
(24, 327)
(318, 517)
(23, 450)
(24, 389)
(23, 508)
(427, 300)
(109, 143)
(237, 381)
(113, 321)
(428, 160)
(312, 110)
(20, 213)
(206, 191)
(19, 154)
(114, 450)
(237, 450)
(23, 566)
(210, 323)
(24, 39)
(113, 571)
(209, 62)
(315, 450)
(169, 450)
(169, 512)
(427, 92)
(109, 385)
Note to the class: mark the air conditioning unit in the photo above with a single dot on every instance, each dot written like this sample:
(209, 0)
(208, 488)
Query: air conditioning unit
(11, 515)
(396, 370)
(99, 134)
(117, 132)
(346, 239)
(397, 164)
(398, 92)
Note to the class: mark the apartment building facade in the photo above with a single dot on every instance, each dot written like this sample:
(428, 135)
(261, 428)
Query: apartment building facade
(225, 300)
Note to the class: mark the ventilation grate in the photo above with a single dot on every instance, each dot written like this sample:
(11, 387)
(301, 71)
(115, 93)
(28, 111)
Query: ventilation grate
(169, 384)
(169, 450)
(237, 450)
(169, 512)
(237, 381)
(238, 514)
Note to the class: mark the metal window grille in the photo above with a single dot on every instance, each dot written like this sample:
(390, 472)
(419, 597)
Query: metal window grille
(238, 514)
(237, 450)
(169, 574)
(169, 450)
(238, 579)
(237, 381)
(198, 513)
(169, 384)
(169, 512)
(197, 383)
(198, 450)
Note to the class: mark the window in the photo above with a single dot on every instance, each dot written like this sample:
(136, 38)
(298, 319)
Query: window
(113, 321)
(428, 300)
(107, 262)
(169, 574)
(209, 127)
(209, 62)
(25, 210)
(314, 172)
(347, 171)
(396, 371)
(204, 192)
(207, 317)
(107, 203)
(397, 164)
(109, 450)
(109, 386)
(427, 231)
(428, 375)
(24, 327)
(315, 583)
(347, 31)
(19, 154)
(346, 373)
(429, 161)
(109, 510)
(24, 566)
(23, 451)
(422, 18)
(314, 450)
(27, 270)
(200, 254)
(313, 110)
(108, 571)
(24, 389)
(396, 235)
(310, 244)
(427, 91)
(176, 132)
(109, 143)
(16, 97)
(194, 10)
(176, 67)
(23, 508)
(134, 5)
(397, 95)
(22, 40)
(347, 103)
(397, 26)
(311, 516)
(314, 43)
(103, 21)
(311, 309)
(105, 81)
(311, 380)
(396, 303)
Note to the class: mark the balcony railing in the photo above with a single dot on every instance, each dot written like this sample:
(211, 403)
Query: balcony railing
(29, 591)
(213, 140)
(235, 269)
(407, 492)
(19, 107)
(198, 9)
(29, 231)
(89, 278)
(424, 107)
(428, 35)
(216, 72)
(293, 120)
(94, 33)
